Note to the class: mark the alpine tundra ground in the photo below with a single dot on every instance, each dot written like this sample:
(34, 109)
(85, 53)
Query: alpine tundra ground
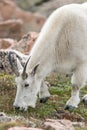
(60, 90)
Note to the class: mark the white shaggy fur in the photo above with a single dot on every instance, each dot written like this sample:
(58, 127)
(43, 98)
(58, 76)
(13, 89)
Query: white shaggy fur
(61, 47)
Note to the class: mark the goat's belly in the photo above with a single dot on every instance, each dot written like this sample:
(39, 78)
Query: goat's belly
(66, 68)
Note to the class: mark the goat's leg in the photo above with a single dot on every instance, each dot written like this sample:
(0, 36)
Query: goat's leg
(78, 80)
(44, 93)
(84, 99)
(74, 99)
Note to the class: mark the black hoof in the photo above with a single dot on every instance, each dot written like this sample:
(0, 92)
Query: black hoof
(69, 107)
(84, 101)
(16, 107)
(44, 100)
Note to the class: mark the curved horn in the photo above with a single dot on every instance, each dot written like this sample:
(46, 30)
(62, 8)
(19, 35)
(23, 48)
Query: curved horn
(24, 74)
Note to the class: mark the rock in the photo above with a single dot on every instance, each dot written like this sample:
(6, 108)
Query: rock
(31, 21)
(11, 29)
(5, 64)
(23, 128)
(1, 19)
(4, 118)
(78, 124)
(7, 8)
(47, 8)
(7, 43)
(28, 4)
(2, 114)
(26, 43)
(52, 124)
(24, 46)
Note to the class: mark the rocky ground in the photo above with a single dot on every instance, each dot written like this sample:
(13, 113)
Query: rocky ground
(47, 124)
(20, 24)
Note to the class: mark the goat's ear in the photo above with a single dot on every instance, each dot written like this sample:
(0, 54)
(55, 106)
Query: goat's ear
(19, 66)
(34, 70)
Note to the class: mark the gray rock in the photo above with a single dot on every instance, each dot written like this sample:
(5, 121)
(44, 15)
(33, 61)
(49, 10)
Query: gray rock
(52, 124)
(5, 65)
(4, 118)
(23, 128)
(11, 29)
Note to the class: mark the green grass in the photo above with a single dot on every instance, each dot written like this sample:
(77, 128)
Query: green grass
(60, 87)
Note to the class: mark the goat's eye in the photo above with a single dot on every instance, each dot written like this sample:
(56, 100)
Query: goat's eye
(26, 85)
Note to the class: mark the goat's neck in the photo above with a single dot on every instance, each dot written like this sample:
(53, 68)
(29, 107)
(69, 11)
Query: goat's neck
(41, 54)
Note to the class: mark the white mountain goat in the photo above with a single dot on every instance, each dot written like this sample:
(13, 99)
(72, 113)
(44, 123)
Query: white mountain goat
(61, 47)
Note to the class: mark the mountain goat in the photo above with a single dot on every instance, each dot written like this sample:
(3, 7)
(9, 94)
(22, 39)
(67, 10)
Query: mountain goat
(61, 47)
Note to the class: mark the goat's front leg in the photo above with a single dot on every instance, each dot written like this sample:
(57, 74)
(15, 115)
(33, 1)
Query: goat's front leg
(44, 93)
(74, 99)
(78, 81)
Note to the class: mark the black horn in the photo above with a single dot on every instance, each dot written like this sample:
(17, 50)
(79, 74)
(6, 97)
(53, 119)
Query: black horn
(24, 74)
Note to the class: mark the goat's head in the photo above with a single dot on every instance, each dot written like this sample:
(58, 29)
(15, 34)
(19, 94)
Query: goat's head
(26, 87)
